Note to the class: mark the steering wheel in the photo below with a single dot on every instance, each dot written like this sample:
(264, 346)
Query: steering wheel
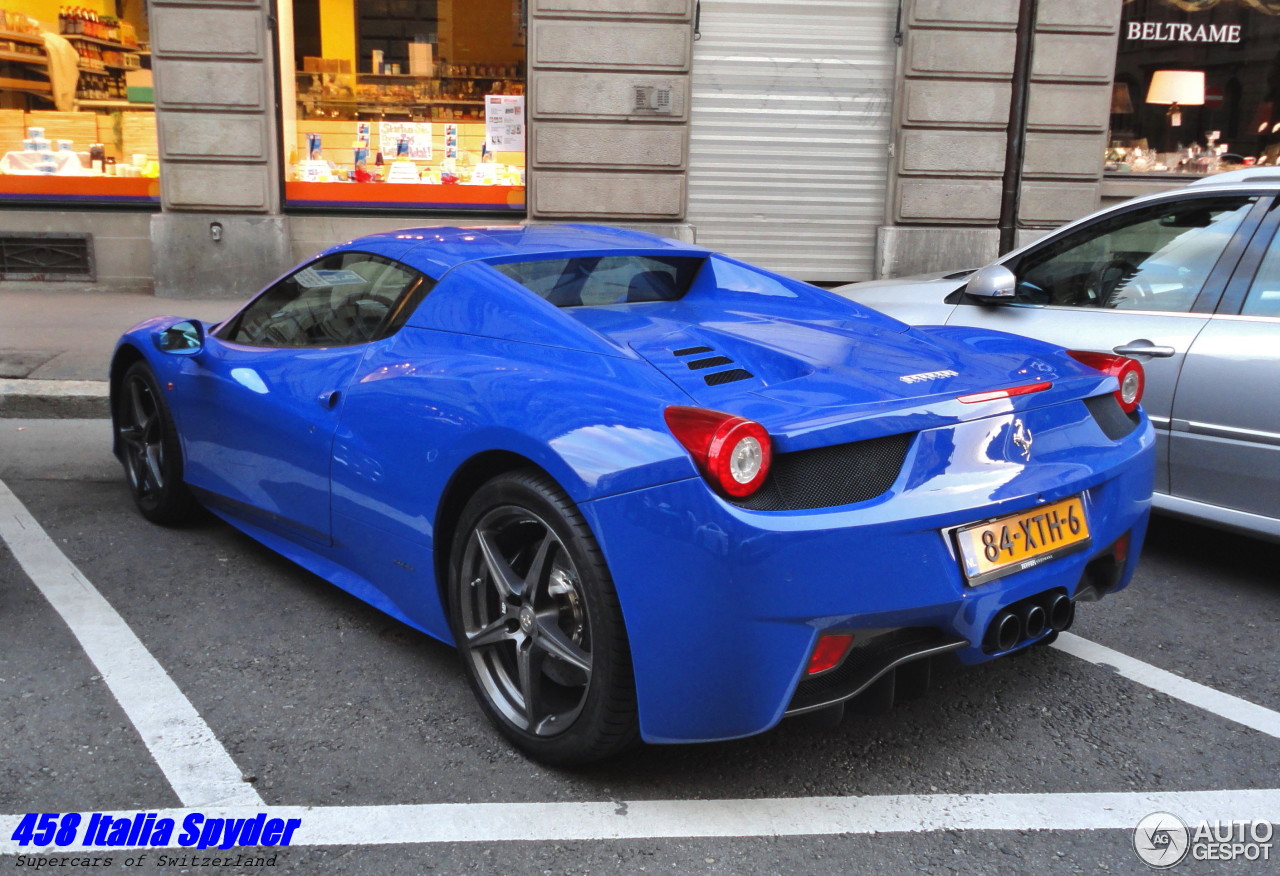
(354, 321)
(1115, 280)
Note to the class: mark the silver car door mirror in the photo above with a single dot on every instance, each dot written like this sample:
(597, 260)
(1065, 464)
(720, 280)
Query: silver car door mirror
(992, 284)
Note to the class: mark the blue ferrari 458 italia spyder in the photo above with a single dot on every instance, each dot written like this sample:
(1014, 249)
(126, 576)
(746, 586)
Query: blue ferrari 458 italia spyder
(648, 491)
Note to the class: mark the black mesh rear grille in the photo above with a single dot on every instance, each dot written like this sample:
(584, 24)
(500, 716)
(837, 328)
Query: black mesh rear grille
(709, 362)
(866, 662)
(1110, 417)
(829, 476)
(727, 377)
(689, 351)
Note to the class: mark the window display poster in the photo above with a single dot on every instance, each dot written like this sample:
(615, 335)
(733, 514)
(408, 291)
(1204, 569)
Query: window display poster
(504, 122)
(418, 135)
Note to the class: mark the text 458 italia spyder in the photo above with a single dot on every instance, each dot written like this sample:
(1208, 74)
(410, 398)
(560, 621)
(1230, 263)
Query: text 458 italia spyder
(650, 492)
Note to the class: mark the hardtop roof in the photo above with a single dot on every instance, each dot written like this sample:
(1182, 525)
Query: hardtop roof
(437, 249)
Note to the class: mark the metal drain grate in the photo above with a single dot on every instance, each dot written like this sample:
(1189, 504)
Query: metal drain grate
(46, 256)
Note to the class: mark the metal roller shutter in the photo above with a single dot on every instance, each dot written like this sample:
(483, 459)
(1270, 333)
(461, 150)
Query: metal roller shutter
(789, 142)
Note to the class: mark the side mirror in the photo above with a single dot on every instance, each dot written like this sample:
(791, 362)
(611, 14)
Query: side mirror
(992, 284)
(185, 338)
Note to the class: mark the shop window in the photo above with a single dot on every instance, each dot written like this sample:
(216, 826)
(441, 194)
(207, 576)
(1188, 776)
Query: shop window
(410, 104)
(77, 122)
(1197, 87)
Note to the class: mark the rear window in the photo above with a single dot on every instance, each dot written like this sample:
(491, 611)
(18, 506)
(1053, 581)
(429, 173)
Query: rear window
(595, 281)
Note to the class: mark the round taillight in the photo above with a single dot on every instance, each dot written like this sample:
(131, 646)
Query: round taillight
(733, 453)
(1129, 373)
(746, 459)
(1130, 388)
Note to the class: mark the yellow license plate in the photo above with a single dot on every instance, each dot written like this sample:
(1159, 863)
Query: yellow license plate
(1010, 544)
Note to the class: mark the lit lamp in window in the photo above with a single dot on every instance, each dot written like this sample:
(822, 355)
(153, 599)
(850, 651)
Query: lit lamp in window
(1176, 89)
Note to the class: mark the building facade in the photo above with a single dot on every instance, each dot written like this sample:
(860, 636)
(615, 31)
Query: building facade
(833, 142)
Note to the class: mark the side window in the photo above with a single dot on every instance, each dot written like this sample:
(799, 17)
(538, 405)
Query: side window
(1155, 259)
(594, 281)
(618, 279)
(343, 299)
(1264, 295)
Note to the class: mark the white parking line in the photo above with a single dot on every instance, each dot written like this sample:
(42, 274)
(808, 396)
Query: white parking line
(191, 758)
(1224, 705)
(773, 817)
(207, 781)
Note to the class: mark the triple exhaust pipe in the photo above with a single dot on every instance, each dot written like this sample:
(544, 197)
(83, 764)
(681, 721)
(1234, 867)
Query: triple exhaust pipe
(1029, 619)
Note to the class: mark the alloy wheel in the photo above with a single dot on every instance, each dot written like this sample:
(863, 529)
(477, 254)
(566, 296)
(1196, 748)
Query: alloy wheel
(141, 432)
(524, 621)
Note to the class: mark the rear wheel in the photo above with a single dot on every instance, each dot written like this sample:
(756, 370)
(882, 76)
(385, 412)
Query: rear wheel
(537, 623)
(150, 450)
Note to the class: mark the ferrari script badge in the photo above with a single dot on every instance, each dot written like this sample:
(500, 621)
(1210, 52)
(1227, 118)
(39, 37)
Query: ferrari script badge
(927, 375)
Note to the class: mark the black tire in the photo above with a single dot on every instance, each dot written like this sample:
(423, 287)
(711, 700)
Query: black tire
(150, 450)
(549, 663)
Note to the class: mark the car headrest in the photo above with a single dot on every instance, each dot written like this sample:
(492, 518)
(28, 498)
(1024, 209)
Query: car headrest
(652, 286)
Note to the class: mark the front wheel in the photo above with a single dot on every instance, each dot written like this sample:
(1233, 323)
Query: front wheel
(150, 450)
(537, 623)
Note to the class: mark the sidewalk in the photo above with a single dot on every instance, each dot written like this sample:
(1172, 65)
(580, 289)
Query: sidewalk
(56, 342)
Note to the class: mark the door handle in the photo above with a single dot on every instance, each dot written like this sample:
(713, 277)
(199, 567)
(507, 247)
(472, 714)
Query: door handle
(329, 399)
(1143, 347)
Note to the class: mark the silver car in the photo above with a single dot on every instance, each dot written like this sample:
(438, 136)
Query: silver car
(1186, 282)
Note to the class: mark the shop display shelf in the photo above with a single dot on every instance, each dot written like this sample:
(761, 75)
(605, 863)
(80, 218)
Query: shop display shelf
(108, 43)
(374, 107)
(419, 76)
(41, 88)
(396, 76)
(119, 103)
(22, 38)
(23, 58)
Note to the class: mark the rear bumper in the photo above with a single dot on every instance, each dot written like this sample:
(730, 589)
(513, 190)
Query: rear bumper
(723, 605)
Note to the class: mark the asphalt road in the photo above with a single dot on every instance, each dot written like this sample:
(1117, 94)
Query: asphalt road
(321, 701)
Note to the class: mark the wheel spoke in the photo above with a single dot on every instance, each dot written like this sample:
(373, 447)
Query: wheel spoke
(155, 465)
(492, 633)
(538, 568)
(553, 640)
(141, 418)
(146, 481)
(131, 436)
(141, 468)
(529, 665)
(500, 572)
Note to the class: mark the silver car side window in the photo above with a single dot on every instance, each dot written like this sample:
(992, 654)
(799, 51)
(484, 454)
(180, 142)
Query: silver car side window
(1264, 295)
(1156, 259)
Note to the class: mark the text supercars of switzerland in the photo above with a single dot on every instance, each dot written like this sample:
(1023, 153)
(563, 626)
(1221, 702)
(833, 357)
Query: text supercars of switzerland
(147, 829)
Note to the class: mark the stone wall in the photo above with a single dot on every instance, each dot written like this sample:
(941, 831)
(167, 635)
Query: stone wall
(592, 154)
(952, 120)
(220, 232)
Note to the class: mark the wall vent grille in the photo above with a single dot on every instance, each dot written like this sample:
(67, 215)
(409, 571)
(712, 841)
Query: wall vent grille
(46, 256)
